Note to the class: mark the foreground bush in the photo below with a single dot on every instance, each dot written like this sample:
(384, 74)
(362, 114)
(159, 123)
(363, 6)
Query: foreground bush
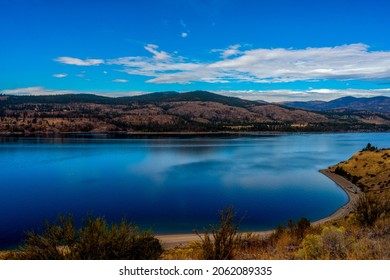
(368, 209)
(224, 237)
(95, 240)
(331, 244)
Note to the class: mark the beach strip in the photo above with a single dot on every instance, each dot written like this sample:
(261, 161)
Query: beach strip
(350, 189)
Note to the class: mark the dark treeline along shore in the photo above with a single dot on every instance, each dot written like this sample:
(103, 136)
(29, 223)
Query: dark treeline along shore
(187, 112)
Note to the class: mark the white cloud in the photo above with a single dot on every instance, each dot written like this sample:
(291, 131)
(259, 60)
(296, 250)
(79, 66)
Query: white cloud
(347, 62)
(303, 95)
(158, 55)
(35, 91)
(230, 51)
(79, 62)
(44, 91)
(120, 81)
(184, 34)
(287, 65)
(61, 75)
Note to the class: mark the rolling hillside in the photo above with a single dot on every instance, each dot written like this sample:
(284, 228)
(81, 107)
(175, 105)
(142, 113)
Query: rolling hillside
(369, 169)
(376, 104)
(196, 111)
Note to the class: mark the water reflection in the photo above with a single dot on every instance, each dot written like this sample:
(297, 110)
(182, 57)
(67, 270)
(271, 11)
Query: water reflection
(171, 185)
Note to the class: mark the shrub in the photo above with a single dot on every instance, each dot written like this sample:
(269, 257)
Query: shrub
(331, 244)
(369, 147)
(56, 242)
(335, 242)
(224, 237)
(297, 230)
(369, 209)
(94, 240)
(312, 248)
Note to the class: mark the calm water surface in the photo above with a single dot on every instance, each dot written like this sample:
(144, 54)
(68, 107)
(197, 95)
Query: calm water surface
(172, 185)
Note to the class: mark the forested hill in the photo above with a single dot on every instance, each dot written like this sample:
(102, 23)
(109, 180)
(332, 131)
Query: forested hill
(156, 97)
(376, 104)
(196, 111)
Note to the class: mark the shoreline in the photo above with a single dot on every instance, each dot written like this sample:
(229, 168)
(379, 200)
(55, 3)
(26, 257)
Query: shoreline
(144, 134)
(174, 240)
(352, 191)
(167, 134)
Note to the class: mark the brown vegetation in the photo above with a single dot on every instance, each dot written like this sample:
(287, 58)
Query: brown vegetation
(369, 169)
(187, 112)
(96, 240)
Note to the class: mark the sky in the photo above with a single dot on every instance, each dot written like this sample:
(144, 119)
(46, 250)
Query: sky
(275, 50)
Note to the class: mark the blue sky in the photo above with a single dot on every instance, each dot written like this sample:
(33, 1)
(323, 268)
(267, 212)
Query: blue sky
(271, 50)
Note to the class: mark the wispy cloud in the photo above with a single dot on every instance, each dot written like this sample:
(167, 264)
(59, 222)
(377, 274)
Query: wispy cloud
(61, 75)
(81, 75)
(185, 32)
(323, 94)
(288, 65)
(230, 51)
(35, 91)
(120, 81)
(158, 55)
(78, 61)
(347, 62)
(45, 91)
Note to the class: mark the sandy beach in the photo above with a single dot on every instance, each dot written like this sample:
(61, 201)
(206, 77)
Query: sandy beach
(353, 192)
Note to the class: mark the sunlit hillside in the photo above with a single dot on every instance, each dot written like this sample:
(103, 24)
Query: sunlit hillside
(369, 168)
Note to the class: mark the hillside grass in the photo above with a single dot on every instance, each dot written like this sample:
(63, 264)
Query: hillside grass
(371, 168)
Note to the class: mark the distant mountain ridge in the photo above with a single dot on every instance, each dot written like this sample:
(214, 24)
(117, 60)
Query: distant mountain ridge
(376, 104)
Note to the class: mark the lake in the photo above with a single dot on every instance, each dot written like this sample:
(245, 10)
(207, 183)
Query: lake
(172, 185)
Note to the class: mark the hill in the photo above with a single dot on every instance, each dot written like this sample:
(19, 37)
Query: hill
(376, 104)
(369, 169)
(156, 98)
(203, 96)
(196, 111)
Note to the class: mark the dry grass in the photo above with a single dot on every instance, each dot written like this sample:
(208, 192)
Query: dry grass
(372, 166)
(343, 239)
(192, 251)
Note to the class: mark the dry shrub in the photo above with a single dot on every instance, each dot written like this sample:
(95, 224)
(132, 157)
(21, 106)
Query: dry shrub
(223, 240)
(368, 209)
(332, 244)
(95, 240)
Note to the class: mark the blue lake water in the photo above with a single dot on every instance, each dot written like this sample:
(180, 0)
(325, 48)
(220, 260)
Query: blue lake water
(172, 185)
